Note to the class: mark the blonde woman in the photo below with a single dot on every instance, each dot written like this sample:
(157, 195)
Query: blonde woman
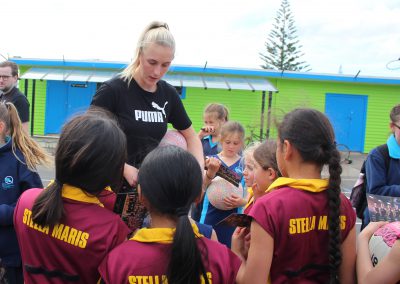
(143, 103)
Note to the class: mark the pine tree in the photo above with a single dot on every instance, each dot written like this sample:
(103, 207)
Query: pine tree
(283, 49)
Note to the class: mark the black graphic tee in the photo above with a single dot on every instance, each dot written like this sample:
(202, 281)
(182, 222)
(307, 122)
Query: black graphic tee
(142, 115)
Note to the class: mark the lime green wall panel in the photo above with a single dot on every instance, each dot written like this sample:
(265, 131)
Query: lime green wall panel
(243, 106)
(40, 103)
(381, 98)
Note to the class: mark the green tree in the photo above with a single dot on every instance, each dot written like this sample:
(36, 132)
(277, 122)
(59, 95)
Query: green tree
(282, 47)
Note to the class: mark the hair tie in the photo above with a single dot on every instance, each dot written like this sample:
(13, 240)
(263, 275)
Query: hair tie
(182, 211)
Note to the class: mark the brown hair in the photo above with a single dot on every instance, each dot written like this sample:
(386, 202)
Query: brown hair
(232, 127)
(34, 154)
(12, 65)
(265, 155)
(221, 111)
(395, 113)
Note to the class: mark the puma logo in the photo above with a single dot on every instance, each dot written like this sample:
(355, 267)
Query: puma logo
(156, 106)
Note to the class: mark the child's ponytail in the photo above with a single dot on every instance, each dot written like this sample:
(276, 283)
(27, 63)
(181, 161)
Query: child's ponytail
(335, 255)
(170, 191)
(184, 248)
(34, 155)
(48, 208)
(80, 160)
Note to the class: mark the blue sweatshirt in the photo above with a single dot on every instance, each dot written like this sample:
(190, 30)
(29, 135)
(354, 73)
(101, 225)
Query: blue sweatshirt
(381, 181)
(15, 178)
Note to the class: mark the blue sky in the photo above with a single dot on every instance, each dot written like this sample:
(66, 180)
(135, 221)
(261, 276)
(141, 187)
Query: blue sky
(355, 34)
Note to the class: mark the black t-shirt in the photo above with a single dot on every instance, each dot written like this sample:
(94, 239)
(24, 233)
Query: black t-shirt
(142, 115)
(19, 101)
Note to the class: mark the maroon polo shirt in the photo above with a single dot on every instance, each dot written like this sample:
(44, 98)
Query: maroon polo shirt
(74, 248)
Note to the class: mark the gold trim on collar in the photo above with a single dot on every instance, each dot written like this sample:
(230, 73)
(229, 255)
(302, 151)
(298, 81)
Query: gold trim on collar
(159, 235)
(77, 194)
(311, 185)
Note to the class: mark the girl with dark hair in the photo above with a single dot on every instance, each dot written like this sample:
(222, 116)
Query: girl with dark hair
(303, 228)
(64, 231)
(171, 250)
(19, 157)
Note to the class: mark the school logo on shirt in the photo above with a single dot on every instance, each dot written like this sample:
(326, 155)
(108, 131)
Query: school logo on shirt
(8, 183)
(152, 116)
(238, 170)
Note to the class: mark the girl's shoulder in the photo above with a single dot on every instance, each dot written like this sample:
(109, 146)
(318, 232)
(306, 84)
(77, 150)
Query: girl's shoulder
(29, 196)
(11, 155)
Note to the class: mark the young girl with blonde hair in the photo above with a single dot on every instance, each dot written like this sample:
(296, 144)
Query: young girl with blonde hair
(232, 137)
(214, 116)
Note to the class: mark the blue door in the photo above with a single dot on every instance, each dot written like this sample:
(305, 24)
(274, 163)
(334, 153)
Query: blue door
(63, 100)
(348, 114)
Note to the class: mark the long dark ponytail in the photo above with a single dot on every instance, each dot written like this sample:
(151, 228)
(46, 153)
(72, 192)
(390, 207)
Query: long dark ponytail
(90, 155)
(312, 135)
(171, 190)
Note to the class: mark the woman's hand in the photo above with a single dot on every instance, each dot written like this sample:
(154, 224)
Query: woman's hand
(131, 174)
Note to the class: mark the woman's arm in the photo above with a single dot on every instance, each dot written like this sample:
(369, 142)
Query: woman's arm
(131, 174)
(194, 144)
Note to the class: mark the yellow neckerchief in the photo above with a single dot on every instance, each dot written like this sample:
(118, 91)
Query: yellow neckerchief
(312, 185)
(77, 194)
(160, 235)
(250, 199)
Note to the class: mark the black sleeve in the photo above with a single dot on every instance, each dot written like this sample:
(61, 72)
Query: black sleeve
(178, 118)
(22, 105)
(105, 97)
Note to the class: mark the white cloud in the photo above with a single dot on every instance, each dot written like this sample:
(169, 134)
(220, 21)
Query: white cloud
(357, 34)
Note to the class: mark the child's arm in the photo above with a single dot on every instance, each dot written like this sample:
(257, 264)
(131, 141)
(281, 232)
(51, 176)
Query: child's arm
(234, 201)
(386, 271)
(28, 179)
(257, 259)
(6, 214)
(212, 165)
